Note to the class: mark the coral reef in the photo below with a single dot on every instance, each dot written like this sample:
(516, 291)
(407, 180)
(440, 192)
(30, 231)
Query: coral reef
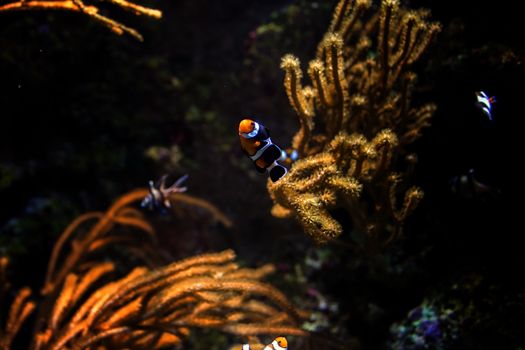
(427, 327)
(89, 10)
(85, 305)
(360, 99)
(470, 312)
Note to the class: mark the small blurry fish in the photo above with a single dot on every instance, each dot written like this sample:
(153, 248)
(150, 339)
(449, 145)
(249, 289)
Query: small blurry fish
(485, 103)
(257, 144)
(279, 343)
(468, 187)
(158, 197)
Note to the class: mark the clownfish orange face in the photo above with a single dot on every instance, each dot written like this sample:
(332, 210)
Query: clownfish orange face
(282, 342)
(248, 128)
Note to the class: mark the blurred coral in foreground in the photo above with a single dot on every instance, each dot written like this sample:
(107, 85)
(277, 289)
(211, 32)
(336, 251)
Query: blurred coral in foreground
(84, 304)
(93, 11)
(361, 95)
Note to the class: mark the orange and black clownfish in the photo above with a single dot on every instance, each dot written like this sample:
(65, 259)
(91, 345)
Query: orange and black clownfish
(257, 144)
(279, 343)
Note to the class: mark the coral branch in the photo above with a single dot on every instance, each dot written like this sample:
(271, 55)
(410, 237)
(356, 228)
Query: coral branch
(90, 10)
(365, 116)
(206, 291)
(99, 236)
(294, 90)
(20, 309)
(147, 308)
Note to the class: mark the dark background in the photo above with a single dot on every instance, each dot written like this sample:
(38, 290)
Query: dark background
(80, 106)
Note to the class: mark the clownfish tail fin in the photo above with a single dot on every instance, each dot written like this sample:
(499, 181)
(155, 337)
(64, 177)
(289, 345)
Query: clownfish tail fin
(277, 172)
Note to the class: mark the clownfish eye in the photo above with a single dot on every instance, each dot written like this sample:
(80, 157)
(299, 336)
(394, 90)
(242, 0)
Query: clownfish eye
(282, 342)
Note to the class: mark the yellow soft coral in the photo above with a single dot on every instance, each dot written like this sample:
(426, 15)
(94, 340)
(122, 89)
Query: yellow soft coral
(361, 100)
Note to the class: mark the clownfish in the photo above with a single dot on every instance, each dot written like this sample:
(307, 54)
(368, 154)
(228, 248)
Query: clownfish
(279, 343)
(158, 196)
(257, 144)
(485, 103)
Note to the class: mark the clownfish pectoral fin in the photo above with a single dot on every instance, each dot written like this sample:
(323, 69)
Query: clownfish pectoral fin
(294, 155)
(283, 156)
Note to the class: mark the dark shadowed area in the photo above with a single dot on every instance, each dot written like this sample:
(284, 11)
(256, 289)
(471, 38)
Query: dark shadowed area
(87, 115)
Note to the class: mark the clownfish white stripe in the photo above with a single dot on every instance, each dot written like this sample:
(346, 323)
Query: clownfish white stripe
(259, 153)
(273, 165)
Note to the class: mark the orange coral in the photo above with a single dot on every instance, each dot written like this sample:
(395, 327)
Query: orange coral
(20, 309)
(206, 291)
(89, 10)
(85, 307)
(100, 234)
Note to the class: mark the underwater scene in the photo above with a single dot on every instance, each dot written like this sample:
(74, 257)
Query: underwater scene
(261, 174)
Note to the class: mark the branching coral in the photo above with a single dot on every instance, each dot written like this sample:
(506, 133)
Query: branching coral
(86, 307)
(361, 100)
(157, 308)
(20, 309)
(104, 233)
(89, 10)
